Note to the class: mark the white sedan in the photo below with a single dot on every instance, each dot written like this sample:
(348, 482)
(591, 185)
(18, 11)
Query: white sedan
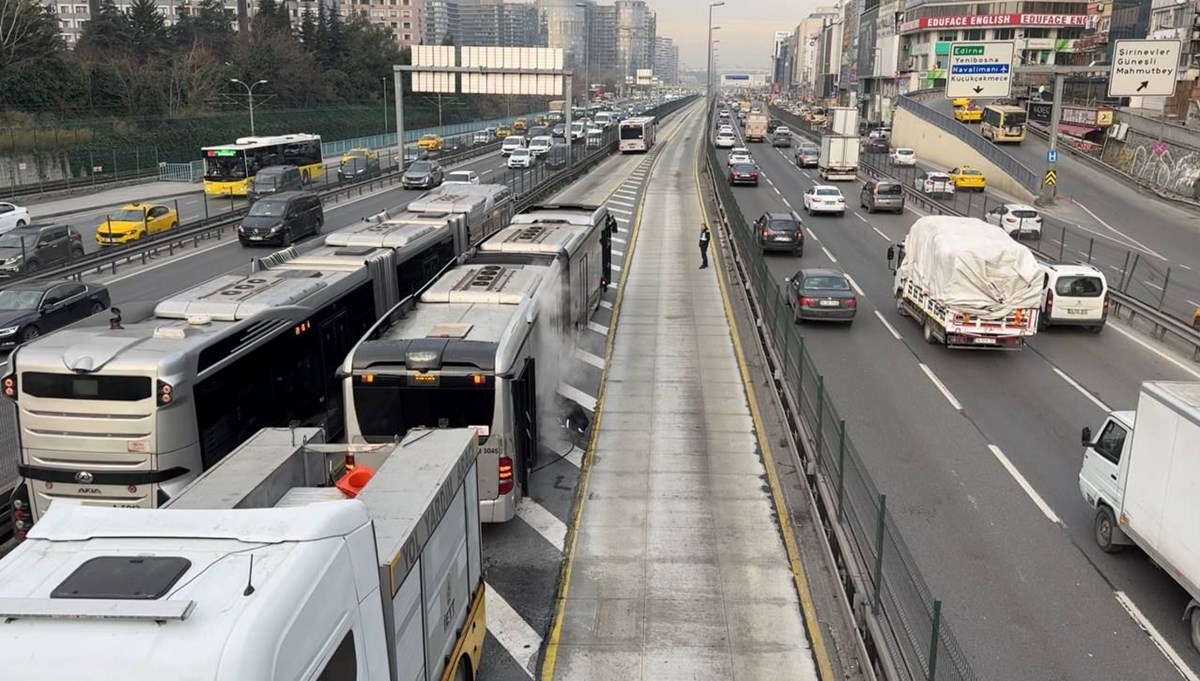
(1018, 219)
(739, 156)
(903, 156)
(934, 184)
(726, 140)
(824, 198)
(12, 216)
(521, 158)
(462, 177)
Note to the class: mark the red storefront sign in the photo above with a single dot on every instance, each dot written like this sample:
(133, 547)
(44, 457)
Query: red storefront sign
(987, 20)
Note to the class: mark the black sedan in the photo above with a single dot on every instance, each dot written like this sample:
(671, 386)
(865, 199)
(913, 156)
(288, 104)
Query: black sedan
(31, 309)
(743, 173)
(358, 168)
(422, 175)
(821, 294)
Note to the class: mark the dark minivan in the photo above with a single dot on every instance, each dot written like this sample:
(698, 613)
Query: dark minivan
(779, 232)
(280, 218)
(275, 180)
(882, 195)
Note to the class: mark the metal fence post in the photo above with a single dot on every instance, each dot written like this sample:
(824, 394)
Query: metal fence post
(820, 411)
(933, 642)
(877, 578)
(1062, 243)
(1163, 296)
(1091, 245)
(841, 467)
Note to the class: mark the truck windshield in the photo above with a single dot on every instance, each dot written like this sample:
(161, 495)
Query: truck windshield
(387, 411)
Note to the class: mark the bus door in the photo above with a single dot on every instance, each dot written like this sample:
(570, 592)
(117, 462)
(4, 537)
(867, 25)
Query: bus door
(335, 343)
(525, 430)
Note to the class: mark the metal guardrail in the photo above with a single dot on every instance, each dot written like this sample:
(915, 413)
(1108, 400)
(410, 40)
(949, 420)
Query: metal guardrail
(1140, 292)
(900, 620)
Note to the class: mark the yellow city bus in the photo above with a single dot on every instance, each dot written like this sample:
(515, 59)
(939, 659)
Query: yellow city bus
(229, 168)
(1003, 124)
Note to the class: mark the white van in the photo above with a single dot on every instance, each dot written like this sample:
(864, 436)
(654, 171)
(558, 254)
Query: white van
(541, 144)
(511, 143)
(1075, 295)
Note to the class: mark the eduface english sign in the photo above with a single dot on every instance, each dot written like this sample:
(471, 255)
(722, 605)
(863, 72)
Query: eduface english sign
(989, 20)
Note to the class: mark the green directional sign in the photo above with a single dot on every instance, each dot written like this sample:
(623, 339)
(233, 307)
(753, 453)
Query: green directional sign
(980, 70)
(968, 50)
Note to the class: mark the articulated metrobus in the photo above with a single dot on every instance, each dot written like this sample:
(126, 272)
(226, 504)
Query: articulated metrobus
(483, 347)
(229, 168)
(1003, 124)
(127, 413)
(637, 134)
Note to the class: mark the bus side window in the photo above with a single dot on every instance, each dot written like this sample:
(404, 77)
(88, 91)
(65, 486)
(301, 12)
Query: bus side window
(343, 665)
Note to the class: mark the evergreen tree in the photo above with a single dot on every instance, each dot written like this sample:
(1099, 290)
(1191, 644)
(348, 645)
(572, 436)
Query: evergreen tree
(308, 28)
(107, 33)
(271, 17)
(208, 24)
(332, 40)
(28, 32)
(147, 29)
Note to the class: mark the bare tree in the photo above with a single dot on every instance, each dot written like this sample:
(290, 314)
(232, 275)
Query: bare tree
(28, 31)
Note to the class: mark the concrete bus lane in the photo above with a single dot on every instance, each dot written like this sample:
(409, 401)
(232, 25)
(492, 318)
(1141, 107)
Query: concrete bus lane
(1014, 573)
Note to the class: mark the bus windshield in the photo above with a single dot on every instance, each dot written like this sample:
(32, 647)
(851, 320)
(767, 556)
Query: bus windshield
(388, 411)
(1014, 118)
(225, 167)
(631, 132)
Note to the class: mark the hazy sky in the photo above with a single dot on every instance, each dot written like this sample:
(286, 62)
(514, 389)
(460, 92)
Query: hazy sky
(747, 28)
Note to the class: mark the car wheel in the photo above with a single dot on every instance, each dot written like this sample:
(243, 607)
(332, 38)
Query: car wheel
(320, 224)
(33, 266)
(900, 305)
(841, 213)
(29, 333)
(20, 224)
(97, 308)
(796, 315)
(77, 252)
(1096, 328)
(288, 239)
(849, 322)
(927, 332)
(1103, 529)
(174, 226)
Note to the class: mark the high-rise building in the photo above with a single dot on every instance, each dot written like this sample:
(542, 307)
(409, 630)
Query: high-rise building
(494, 23)
(636, 26)
(666, 60)
(73, 16)
(442, 22)
(603, 55)
(780, 59)
(565, 25)
(404, 18)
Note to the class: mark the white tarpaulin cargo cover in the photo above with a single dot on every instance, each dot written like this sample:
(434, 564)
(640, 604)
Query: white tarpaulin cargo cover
(971, 266)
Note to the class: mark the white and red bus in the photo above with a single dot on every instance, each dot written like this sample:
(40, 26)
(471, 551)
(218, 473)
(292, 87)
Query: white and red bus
(637, 134)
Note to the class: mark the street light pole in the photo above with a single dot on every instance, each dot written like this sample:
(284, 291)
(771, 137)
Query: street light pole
(250, 96)
(587, 60)
(708, 90)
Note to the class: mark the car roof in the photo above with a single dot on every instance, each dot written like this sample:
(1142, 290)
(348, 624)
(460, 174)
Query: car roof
(1059, 269)
(780, 216)
(43, 285)
(826, 186)
(822, 272)
(34, 228)
(1020, 206)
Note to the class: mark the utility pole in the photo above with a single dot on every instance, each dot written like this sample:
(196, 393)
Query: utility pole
(250, 96)
(1050, 192)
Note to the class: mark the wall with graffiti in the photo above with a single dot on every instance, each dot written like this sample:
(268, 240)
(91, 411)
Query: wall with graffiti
(1166, 166)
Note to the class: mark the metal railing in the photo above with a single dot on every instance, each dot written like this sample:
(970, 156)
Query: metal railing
(905, 629)
(1002, 159)
(1142, 289)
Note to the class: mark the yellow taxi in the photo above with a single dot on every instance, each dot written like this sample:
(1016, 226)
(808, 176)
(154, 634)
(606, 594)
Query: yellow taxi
(968, 113)
(503, 131)
(429, 143)
(135, 221)
(960, 101)
(360, 152)
(520, 124)
(966, 177)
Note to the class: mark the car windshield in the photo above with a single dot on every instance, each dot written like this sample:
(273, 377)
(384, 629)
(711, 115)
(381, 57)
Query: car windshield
(268, 180)
(15, 240)
(19, 300)
(904, 152)
(745, 167)
(420, 167)
(458, 177)
(782, 226)
(266, 209)
(127, 216)
(809, 150)
(826, 282)
(937, 177)
(969, 171)
(520, 152)
(1024, 213)
(889, 188)
(429, 138)
(1085, 286)
(829, 192)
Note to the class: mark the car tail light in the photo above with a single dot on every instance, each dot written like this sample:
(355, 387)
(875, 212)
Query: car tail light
(165, 392)
(1050, 301)
(852, 302)
(809, 302)
(754, 175)
(766, 233)
(506, 475)
(1105, 307)
(1010, 219)
(9, 385)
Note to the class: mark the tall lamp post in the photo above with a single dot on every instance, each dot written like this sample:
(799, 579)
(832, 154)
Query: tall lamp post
(250, 96)
(587, 58)
(708, 91)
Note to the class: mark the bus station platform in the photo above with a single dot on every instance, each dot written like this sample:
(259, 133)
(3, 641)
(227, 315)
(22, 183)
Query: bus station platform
(678, 568)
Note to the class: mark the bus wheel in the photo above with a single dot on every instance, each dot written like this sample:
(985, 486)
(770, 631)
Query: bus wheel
(463, 673)
(304, 176)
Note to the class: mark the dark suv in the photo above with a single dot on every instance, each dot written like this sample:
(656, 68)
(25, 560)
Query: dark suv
(779, 232)
(33, 247)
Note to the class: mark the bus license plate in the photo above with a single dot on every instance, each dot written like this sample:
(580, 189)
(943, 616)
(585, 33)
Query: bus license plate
(985, 341)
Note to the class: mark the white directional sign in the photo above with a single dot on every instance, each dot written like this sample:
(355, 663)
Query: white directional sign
(980, 69)
(1144, 68)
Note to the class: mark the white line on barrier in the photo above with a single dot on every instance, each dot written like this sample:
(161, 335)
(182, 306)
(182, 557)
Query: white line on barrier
(937, 382)
(1016, 474)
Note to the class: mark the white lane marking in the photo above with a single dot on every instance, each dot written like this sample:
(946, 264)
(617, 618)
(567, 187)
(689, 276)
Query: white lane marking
(575, 456)
(620, 210)
(1071, 382)
(854, 284)
(632, 193)
(619, 254)
(860, 217)
(616, 267)
(606, 305)
(589, 358)
(806, 174)
(1155, 350)
(621, 219)
(829, 255)
(785, 202)
(891, 329)
(1186, 267)
(615, 202)
(1153, 285)
(776, 190)
(576, 395)
(813, 234)
(937, 382)
(1016, 474)
(1193, 303)
(1163, 647)
(485, 172)
(1114, 230)
(512, 631)
(536, 516)
(598, 328)
(619, 240)
(885, 237)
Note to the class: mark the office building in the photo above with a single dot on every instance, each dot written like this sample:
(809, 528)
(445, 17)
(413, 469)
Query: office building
(565, 25)
(781, 60)
(666, 60)
(493, 23)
